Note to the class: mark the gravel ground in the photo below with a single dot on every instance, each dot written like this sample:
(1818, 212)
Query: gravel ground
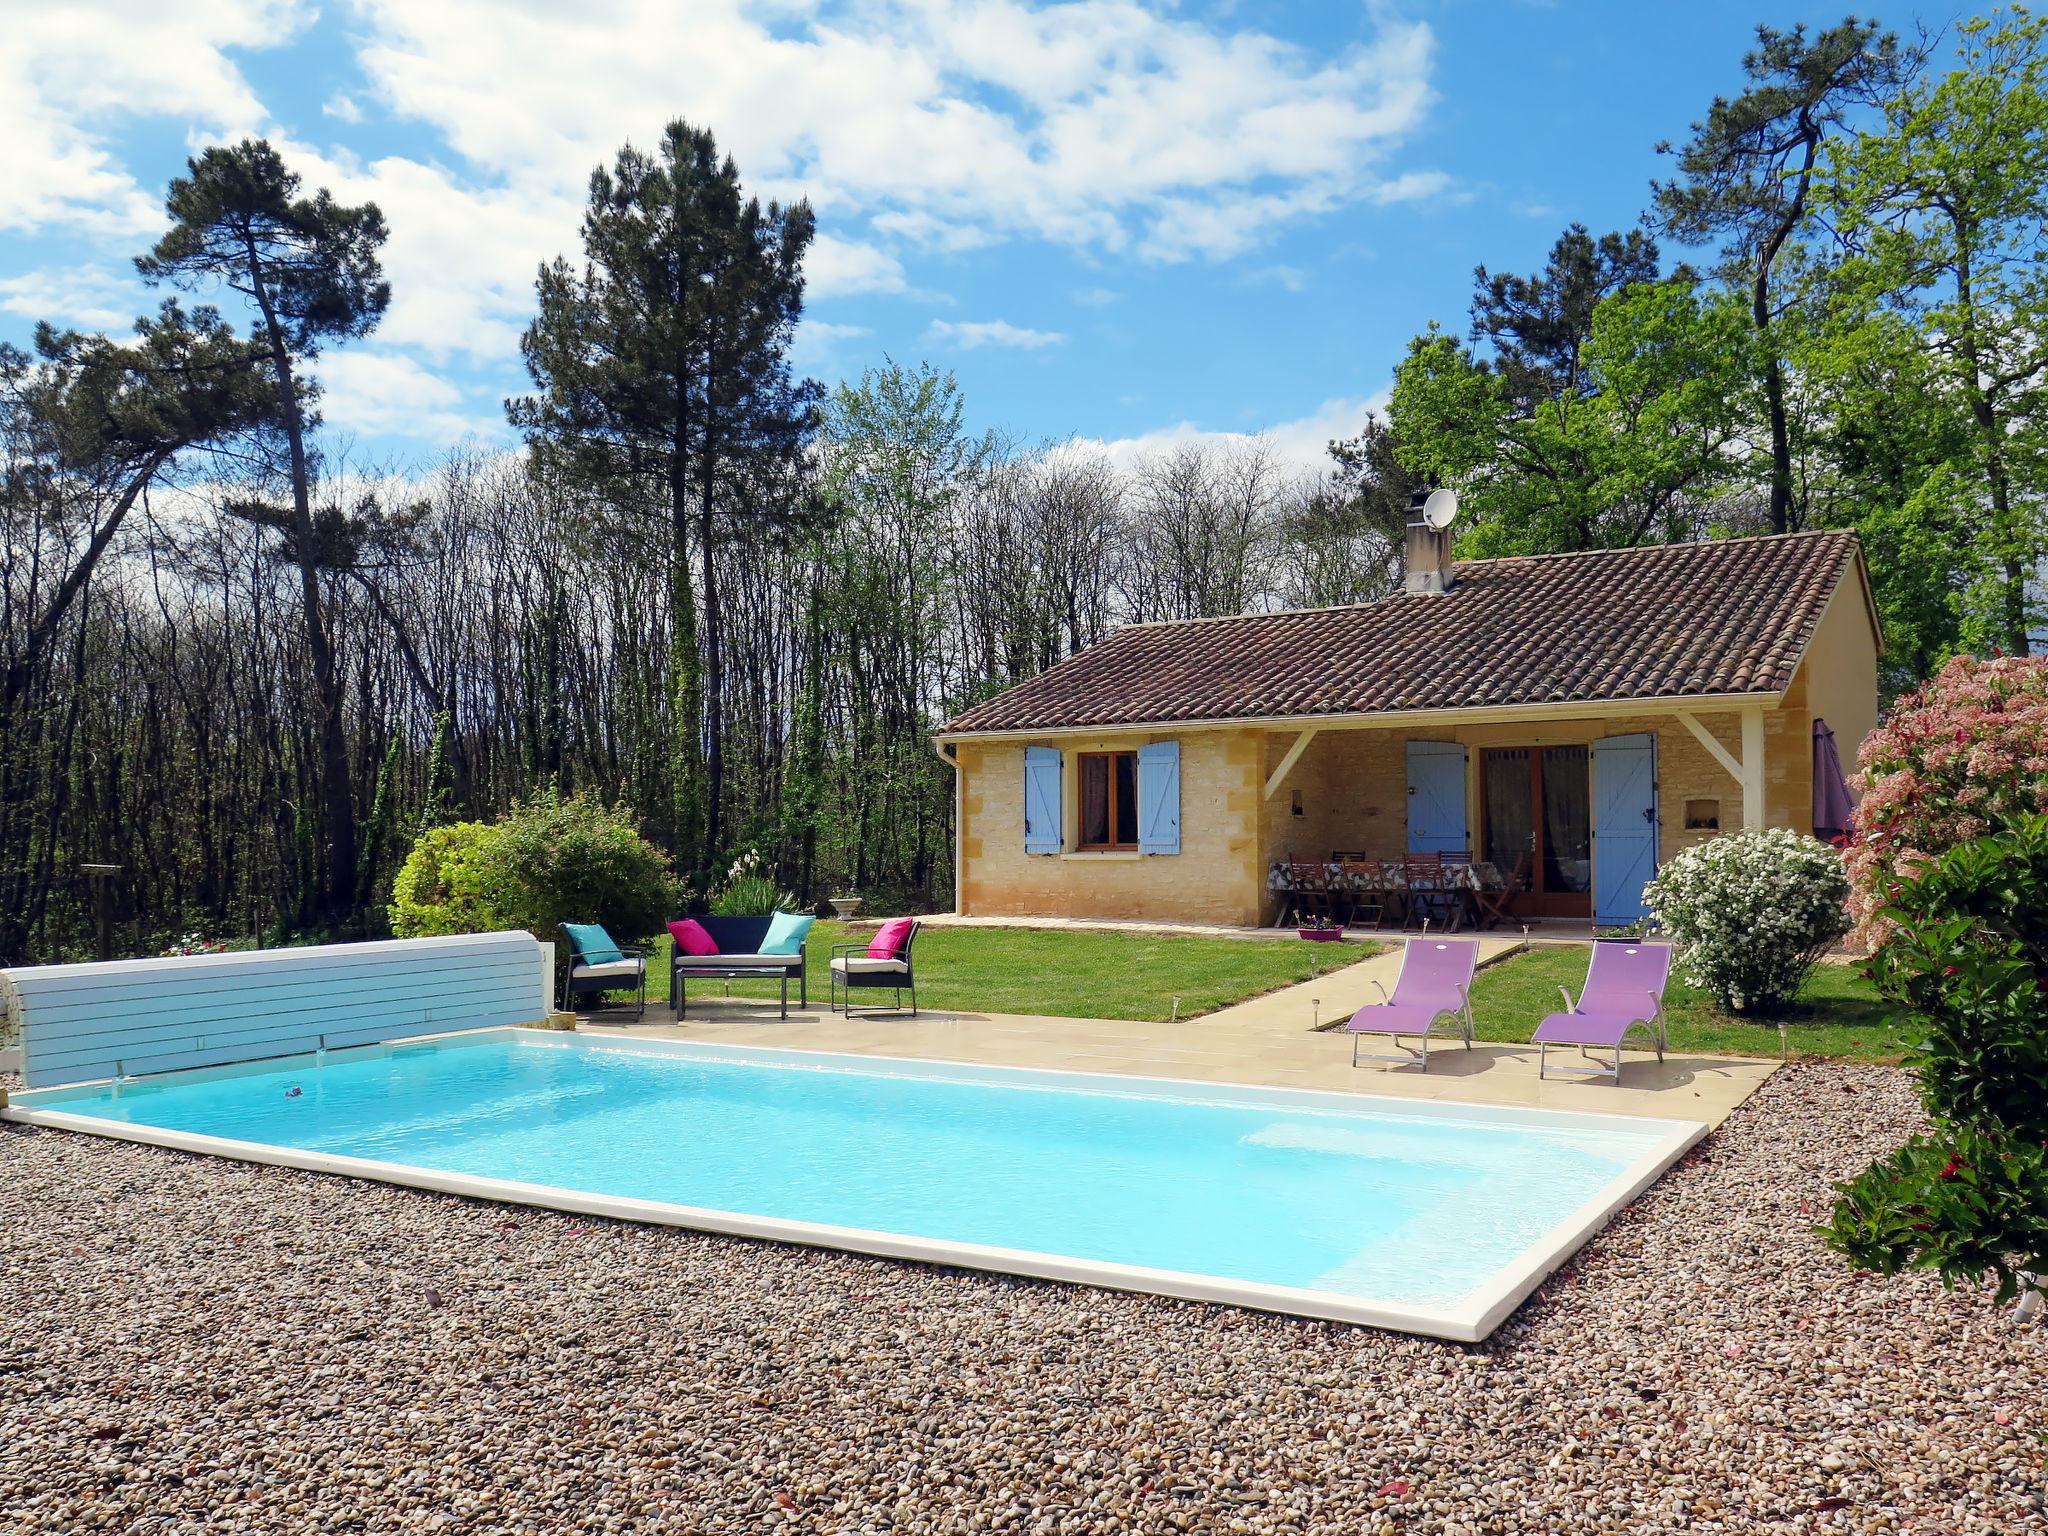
(192, 1345)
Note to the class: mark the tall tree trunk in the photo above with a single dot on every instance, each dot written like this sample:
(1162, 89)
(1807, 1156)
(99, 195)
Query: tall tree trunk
(714, 643)
(1760, 315)
(337, 796)
(15, 680)
(686, 701)
(1997, 473)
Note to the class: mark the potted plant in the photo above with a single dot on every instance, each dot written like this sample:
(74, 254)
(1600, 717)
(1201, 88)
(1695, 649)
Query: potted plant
(1321, 930)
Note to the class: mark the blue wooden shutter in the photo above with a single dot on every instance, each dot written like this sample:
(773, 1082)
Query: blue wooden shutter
(1159, 797)
(1041, 800)
(1436, 797)
(1624, 827)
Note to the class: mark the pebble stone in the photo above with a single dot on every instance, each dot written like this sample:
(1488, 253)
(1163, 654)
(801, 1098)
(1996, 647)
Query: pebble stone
(192, 1345)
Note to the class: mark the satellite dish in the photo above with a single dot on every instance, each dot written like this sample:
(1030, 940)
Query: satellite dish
(1441, 508)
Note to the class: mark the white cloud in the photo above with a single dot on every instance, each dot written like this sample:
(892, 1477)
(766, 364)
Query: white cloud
(940, 123)
(1293, 279)
(70, 75)
(931, 233)
(461, 260)
(1117, 128)
(817, 348)
(837, 266)
(74, 296)
(382, 394)
(1302, 443)
(967, 335)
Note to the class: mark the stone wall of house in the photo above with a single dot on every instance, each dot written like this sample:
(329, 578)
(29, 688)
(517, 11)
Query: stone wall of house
(1353, 784)
(1350, 787)
(1837, 681)
(1217, 877)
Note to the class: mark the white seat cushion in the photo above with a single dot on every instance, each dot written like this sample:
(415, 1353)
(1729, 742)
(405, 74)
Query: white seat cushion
(868, 965)
(627, 969)
(736, 962)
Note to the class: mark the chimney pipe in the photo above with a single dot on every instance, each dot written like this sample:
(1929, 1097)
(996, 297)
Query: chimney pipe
(1428, 553)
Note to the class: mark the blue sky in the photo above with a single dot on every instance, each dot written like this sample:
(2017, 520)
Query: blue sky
(1118, 220)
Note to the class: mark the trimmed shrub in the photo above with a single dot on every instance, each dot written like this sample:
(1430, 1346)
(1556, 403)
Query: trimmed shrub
(558, 860)
(1750, 913)
(1963, 756)
(444, 884)
(1966, 959)
(547, 861)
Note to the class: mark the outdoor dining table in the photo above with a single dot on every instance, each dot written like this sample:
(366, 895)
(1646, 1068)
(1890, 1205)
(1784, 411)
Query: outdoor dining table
(1445, 893)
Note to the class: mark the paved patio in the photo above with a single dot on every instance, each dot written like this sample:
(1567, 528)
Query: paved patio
(1269, 1040)
(1535, 930)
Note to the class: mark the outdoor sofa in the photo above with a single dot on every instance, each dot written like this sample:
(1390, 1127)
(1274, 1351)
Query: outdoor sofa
(739, 948)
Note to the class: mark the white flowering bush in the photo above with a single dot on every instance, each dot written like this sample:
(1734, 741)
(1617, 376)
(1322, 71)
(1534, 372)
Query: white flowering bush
(750, 890)
(1750, 913)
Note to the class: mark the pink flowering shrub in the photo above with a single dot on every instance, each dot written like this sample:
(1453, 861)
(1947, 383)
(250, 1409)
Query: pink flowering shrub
(1963, 755)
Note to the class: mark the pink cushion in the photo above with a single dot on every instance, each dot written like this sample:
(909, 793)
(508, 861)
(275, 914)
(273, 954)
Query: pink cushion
(692, 937)
(889, 938)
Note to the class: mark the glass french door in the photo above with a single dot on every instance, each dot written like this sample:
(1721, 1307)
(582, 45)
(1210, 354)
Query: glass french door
(1539, 821)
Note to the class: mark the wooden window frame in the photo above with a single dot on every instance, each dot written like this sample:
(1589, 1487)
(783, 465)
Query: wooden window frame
(1110, 755)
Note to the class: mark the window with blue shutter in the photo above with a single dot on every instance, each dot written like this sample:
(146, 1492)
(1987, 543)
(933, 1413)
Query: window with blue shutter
(1159, 797)
(1041, 800)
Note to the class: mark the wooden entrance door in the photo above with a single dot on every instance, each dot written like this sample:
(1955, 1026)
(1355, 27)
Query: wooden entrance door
(1538, 801)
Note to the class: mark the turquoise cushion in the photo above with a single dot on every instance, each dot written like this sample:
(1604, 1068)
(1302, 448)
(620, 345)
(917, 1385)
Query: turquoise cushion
(786, 933)
(592, 944)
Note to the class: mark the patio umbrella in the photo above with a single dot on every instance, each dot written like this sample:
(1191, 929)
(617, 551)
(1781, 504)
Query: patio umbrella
(1832, 806)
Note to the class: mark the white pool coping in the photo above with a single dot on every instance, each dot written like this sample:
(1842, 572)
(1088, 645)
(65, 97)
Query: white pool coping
(1472, 1319)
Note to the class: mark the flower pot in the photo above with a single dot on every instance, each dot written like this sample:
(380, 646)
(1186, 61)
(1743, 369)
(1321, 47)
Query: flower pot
(1321, 935)
(845, 906)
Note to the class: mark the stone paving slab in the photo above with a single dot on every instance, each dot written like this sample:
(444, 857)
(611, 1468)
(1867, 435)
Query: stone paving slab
(1266, 1040)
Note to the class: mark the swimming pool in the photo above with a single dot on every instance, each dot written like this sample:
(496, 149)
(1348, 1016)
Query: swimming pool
(1408, 1214)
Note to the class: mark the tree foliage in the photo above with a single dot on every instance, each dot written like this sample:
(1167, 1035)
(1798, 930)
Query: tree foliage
(309, 268)
(1966, 959)
(663, 383)
(1747, 178)
(1945, 210)
(1631, 454)
(711, 592)
(1866, 351)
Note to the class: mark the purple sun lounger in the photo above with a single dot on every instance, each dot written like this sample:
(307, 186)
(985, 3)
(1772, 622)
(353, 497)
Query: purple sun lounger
(1624, 990)
(1435, 984)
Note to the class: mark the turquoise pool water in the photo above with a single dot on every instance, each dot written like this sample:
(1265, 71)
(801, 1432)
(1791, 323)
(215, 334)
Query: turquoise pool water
(1412, 1206)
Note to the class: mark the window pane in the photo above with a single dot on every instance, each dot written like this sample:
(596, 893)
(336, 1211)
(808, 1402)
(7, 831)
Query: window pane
(1095, 799)
(1567, 819)
(1127, 797)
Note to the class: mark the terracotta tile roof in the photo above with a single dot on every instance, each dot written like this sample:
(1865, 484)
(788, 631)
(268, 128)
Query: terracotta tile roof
(1673, 620)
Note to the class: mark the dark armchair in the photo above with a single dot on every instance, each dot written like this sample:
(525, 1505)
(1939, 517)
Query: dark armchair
(857, 966)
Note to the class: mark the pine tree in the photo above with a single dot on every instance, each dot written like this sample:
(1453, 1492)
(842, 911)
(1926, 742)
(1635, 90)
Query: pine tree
(309, 267)
(662, 377)
(1747, 178)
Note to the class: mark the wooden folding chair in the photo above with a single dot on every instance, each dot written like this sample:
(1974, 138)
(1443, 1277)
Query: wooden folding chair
(1494, 904)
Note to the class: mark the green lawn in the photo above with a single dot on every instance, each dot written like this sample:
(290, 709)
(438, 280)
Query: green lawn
(1838, 1015)
(1067, 973)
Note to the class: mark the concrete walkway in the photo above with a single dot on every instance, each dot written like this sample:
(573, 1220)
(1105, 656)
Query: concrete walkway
(1268, 1040)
